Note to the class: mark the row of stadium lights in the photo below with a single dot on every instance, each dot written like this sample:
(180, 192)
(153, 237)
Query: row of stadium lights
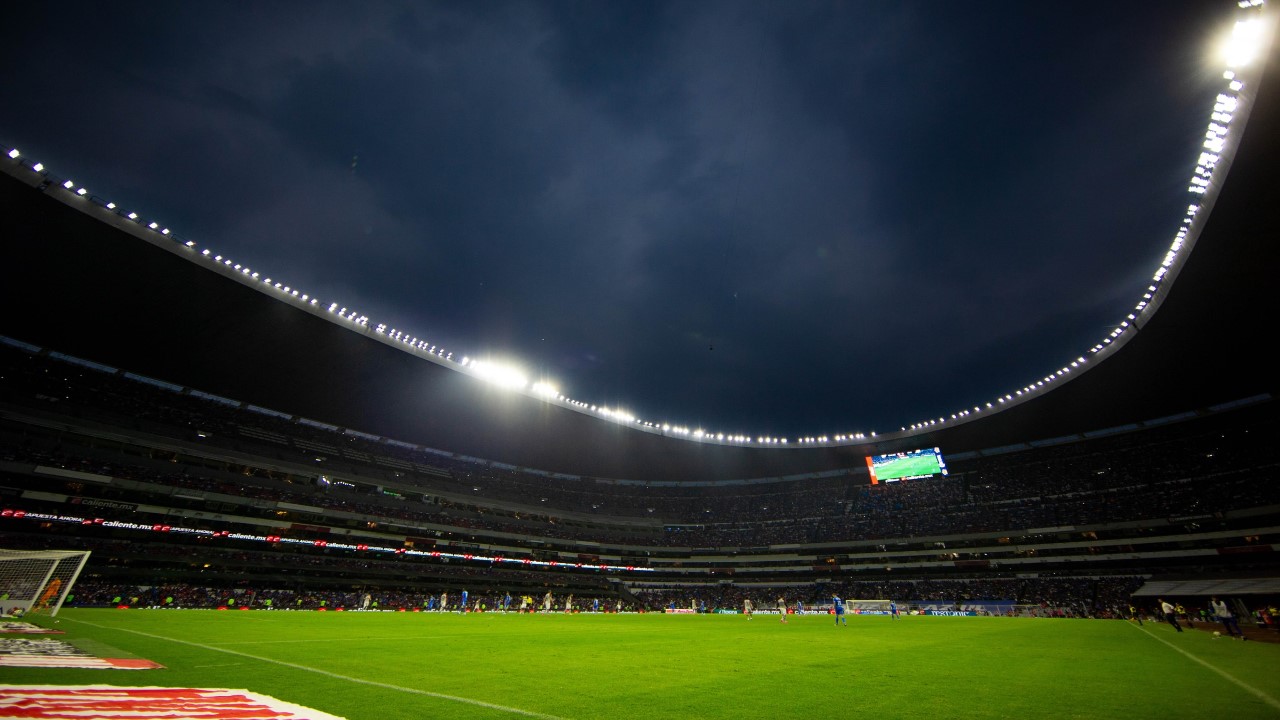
(1245, 40)
(496, 373)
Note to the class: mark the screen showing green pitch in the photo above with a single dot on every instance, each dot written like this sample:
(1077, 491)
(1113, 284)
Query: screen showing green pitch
(906, 465)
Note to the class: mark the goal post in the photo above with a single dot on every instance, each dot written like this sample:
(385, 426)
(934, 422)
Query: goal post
(867, 607)
(38, 581)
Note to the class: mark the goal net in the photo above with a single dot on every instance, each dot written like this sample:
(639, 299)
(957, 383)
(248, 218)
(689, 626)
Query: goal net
(867, 607)
(38, 581)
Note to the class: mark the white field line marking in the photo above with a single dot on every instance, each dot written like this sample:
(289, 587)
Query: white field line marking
(335, 676)
(1261, 695)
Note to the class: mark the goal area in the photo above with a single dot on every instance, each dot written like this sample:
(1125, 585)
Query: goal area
(867, 607)
(38, 581)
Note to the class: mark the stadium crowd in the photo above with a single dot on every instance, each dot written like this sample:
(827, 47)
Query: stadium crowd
(179, 456)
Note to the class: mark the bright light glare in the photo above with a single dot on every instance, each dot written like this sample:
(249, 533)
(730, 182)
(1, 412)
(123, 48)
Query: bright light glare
(1245, 42)
(545, 389)
(619, 415)
(502, 375)
(14, 154)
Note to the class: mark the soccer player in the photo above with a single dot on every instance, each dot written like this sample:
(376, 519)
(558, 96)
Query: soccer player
(506, 602)
(840, 618)
(595, 605)
(893, 610)
(462, 605)
(1170, 615)
(444, 601)
(568, 603)
(799, 607)
(50, 593)
(1226, 617)
(546, 602)
(747, 607)
(782, 608)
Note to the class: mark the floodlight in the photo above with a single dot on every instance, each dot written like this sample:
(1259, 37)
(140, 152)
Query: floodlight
(1246, 40)
(13, 154)
(38, 167)
(501, 375)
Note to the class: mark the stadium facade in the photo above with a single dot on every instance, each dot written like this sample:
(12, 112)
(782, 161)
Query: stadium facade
(195, 430)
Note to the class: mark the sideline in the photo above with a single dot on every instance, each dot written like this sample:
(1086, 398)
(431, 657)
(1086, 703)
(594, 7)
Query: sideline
(336, 676)
(1261, 695)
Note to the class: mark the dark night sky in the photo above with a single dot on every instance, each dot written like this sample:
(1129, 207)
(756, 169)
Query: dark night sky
(778, 218)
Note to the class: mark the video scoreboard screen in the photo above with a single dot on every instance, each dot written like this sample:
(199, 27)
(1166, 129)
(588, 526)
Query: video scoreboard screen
(906, 465)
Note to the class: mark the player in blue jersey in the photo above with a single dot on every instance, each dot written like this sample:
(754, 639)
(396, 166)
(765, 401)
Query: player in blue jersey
(840, 618)
(595, 605)
(506, 602)
(893, 610)
(799, 607)
(462, 607)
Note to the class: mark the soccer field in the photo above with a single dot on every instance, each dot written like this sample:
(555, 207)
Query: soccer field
(377, 666)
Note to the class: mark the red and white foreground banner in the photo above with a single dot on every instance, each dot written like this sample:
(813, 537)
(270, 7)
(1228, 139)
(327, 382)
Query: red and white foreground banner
(47, 652)
(25, 628)
(77, 702)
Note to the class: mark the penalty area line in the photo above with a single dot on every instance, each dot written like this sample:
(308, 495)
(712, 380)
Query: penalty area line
(335, 676)
(1254, 691)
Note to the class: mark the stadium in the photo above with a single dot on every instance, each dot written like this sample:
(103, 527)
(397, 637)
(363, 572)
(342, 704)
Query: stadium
(234, 486)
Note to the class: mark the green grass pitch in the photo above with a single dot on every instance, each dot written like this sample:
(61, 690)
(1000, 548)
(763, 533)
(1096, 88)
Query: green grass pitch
(425, 665)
